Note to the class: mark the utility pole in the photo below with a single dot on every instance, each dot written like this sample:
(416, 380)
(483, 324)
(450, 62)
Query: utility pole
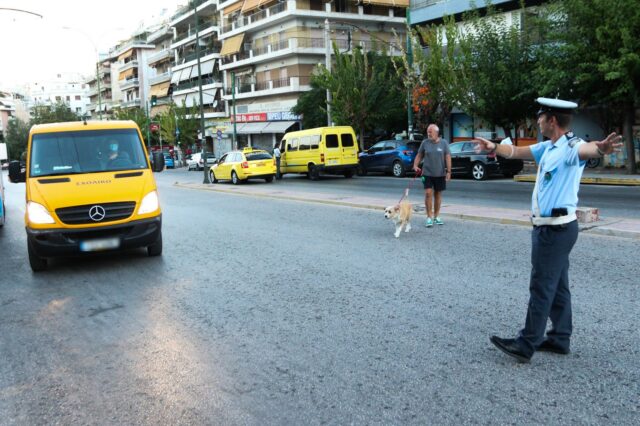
(204, 138)
(98, 81)
(233, 99)
(410, 63)
(327, 64)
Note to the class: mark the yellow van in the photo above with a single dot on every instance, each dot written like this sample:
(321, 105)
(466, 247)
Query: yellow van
(331, 150)
(89, 187)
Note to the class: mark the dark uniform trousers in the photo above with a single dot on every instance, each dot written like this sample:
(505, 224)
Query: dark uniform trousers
(549, 287)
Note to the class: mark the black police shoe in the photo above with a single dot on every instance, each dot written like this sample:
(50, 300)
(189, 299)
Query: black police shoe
(511, 348)
(547, 346)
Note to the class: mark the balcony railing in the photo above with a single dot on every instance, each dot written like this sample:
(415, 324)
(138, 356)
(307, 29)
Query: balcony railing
(160, 78)
(194, 83)
(203, 52)
(256, 17)
(261, 86)
(131, 103)
(418, 4)
(130, 82)
(186, 9)
(157, 57)
(191, 31)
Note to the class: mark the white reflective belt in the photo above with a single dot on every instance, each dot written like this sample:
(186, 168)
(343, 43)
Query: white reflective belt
(540, 221)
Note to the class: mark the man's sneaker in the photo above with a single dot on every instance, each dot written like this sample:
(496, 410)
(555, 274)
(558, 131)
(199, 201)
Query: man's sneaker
(428, 223)
(439, 221)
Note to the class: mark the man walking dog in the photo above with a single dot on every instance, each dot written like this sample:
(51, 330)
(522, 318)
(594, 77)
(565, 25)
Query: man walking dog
(436, 171)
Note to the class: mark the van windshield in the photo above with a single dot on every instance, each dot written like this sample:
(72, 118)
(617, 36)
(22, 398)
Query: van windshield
(87, 151)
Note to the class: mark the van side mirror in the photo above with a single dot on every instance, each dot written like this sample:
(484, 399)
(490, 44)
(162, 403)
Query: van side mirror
(16, 174)
(158, 161)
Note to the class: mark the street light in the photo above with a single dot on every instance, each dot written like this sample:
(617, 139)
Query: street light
(21, 11)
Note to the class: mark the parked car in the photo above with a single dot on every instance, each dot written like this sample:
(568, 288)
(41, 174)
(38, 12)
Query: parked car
(238, 166)
(168, 161)
(390, 156)
(466, 161)
(194, 161)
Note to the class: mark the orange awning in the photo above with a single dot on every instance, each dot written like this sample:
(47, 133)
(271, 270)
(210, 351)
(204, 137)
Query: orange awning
(125, 55)
(250, 5)
(126, 73)
(230, 9)
(231, 45)
(160, 90)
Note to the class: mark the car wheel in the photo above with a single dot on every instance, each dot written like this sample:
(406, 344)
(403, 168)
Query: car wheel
(398, 169)
(314, 173)
(361, 170)
(234, 178)
(478, 171)
(509, 175)
(348, 174)
(212, 177)
(36, 262)
(155, 249)
(269, 179)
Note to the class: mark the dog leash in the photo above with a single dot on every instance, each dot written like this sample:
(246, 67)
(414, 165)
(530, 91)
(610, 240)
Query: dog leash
(406, 190)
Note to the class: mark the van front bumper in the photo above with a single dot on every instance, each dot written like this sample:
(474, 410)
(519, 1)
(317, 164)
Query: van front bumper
(67, 242)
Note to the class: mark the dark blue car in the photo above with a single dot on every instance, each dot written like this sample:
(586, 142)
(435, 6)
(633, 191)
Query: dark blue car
(391, 156)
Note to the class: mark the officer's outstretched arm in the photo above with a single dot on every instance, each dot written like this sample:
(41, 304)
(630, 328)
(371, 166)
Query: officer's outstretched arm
(598, 149)
(506, 151)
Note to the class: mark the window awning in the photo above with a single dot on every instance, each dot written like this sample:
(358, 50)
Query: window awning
(125, 55)
(175, 76)
(232, 45)
(206, 67)
(392, 3)
(250, 5)
(278, 126)
(251, 128)
(185, 74)
(160, 90)
(230, 9)
(125, 74)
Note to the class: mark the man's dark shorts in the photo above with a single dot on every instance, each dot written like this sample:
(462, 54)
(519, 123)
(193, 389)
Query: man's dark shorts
(438, 183)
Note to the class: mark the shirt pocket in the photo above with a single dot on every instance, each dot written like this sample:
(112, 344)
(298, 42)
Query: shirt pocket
(548, 172)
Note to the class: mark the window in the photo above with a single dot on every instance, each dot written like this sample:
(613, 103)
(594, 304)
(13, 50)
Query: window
(389, 146)
(68, 98)
(292, 145)
(377, 147)
(58, 98)
(469, 147)
(347, 139)
(305, 143)
(331, 141)
(77, 97)
(315, 141)
(253, 156)
(455, 148)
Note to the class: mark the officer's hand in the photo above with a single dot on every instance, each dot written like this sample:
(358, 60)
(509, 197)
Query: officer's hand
(611, 143)
(483, 144)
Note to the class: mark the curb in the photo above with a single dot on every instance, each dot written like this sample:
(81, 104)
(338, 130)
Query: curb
(611, 228)
(589, 180)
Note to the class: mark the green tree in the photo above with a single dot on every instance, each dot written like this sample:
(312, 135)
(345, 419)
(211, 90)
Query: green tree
(188, 121)
(501, 61)
(311, 106)
(55, 113)
(598, 60)
(137, 115)
(16, 138)
(363, 88)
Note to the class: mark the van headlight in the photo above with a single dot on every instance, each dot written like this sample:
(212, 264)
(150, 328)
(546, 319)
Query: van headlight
(149, 203)
(38, 214)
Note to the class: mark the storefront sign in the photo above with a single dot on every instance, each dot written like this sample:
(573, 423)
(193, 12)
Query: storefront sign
(266, 116)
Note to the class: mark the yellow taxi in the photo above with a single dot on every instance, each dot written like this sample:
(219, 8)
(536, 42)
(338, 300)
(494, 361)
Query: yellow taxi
(242, 165)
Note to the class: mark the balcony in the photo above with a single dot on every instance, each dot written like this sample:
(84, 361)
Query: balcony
(424, 11)
(206, 24)
(160, 78)
(270, 87)
(159, 56)
(128, 65)
(203, 52)
(186, 9)
(129, 83)
(243, 21)
(185, 85)
(130, 104)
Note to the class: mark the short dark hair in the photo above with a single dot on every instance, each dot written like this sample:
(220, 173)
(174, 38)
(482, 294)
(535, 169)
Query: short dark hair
(564, 120)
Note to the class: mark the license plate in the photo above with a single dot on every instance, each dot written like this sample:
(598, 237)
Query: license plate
(258, 164)
(333, 161)
(100, 244)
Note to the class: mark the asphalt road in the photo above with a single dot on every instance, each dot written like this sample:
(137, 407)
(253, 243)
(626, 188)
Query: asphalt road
(612, 201)
(266, 311)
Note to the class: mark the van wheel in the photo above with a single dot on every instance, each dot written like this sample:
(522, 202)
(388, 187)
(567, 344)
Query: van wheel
(269, 179)
(361, 170)
(234, 178)
(212, 177)
(348, 174)
(36, 262)
(398, 169)
(314, 173)
(155, 249)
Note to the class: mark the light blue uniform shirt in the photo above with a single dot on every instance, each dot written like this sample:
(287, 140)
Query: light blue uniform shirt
(560, 173)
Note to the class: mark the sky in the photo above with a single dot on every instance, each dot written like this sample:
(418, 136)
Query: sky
(36, 49)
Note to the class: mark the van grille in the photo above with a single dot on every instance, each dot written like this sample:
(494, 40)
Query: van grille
(77, 215)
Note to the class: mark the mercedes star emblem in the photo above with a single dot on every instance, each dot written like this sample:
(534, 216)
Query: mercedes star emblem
(97, 213)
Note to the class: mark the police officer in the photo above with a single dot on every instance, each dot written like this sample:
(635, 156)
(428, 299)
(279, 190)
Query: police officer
(561, 159)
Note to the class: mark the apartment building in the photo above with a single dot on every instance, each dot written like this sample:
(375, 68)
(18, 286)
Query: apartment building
(69, 88)
(270, 48)
(100, 91)
(160, 60)
(7, 110)
(184, 73)
(130, 60)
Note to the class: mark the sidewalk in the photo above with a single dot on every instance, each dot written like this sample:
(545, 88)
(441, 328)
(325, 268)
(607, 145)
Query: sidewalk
(619, 227)
(597, 176)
